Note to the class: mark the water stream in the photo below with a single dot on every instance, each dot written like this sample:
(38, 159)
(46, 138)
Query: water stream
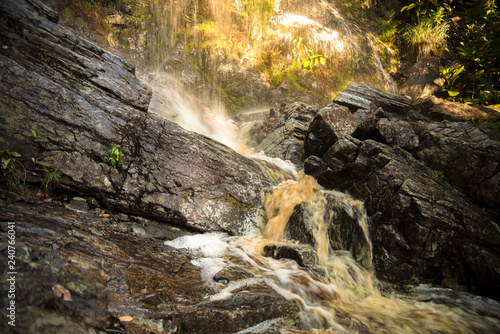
(339, 295)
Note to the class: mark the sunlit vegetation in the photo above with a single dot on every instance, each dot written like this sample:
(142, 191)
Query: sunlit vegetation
(294, 46)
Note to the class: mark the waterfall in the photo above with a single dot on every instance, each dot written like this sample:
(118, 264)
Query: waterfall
(335, 295)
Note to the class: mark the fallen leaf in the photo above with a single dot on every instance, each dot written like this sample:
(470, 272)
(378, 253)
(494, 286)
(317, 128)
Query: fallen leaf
(74, 216)
(104, 215)
(47, 200)
(126, 318)
(60, 291)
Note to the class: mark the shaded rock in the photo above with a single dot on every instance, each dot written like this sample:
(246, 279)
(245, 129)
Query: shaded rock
(439, 110)
(398, 133)
(423, 78)
(358, 96)
(176, 59)
(80, 100)
(422, 228)
(286, 139)
(467, 156)
(328, 126)
(255, 126)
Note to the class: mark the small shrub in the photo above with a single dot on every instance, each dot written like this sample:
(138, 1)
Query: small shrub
(426, 37)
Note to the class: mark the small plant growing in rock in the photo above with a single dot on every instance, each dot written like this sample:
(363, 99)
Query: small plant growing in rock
(51, 178)
(115, 157)
(9, 168)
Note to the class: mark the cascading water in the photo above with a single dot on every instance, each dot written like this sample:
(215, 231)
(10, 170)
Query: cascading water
(337, 295)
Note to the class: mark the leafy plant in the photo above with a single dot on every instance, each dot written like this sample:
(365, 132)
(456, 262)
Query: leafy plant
(115, 157)
(450, 77)
(306, 56)
(9, 168)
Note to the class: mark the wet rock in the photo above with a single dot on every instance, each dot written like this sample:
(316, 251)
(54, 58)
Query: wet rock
(422, 228)
(286, 140)
(328, 126)
(80, 100)
(359, 96)
(110, 275)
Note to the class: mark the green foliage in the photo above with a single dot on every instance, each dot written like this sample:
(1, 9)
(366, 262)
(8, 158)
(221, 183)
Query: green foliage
(115, 157)
(9, 168)
(490, 122)
(306, 56)
(450, 77)
(478, 48)
(459, 84)
(386, 27)
(50, 179)
(426, 37)
(428, 8)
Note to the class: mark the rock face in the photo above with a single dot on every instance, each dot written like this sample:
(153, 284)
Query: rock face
(467, 156)
(286, 139)
(79, 100)
(423, 225)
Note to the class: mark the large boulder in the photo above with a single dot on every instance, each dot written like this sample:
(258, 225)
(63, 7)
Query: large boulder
(422, 228)
(65, 102)
(423, 78)
(358, 96)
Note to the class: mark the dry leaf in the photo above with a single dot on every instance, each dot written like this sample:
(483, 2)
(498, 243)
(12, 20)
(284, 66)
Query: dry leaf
(126, 318)
(104, 215)
(74, 216)
(60, 290)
